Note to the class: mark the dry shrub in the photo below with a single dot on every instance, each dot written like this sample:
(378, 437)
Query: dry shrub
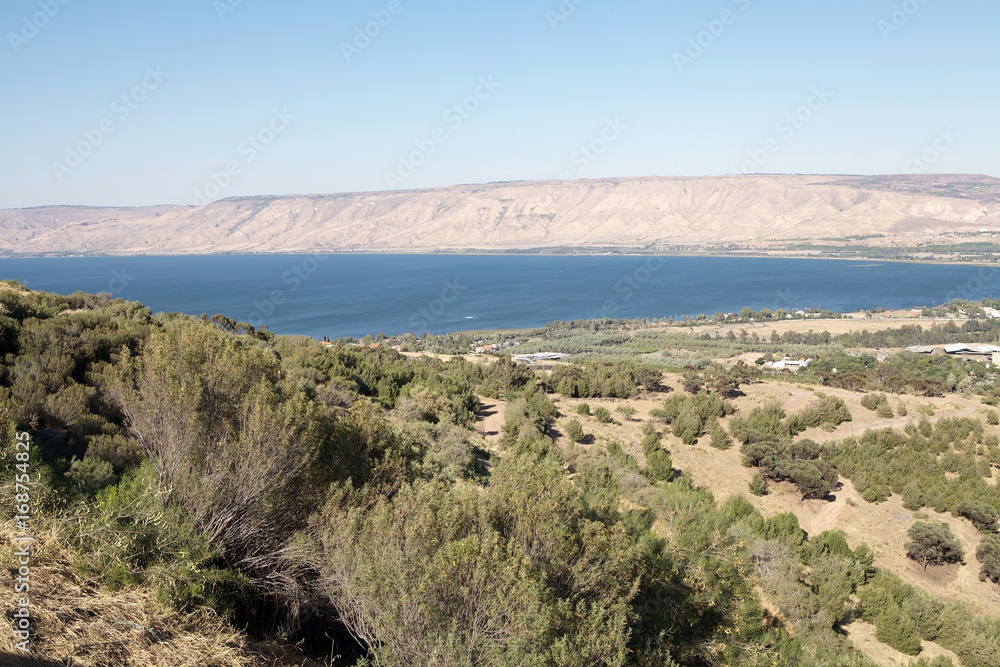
(75, 623)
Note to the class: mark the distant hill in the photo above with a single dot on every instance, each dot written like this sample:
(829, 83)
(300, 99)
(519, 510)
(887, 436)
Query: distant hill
(583, 214)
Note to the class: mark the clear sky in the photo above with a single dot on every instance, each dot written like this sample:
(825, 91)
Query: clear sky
(123, 103)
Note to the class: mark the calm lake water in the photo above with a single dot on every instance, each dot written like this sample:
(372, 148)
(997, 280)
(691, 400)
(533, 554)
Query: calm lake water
(351, 295)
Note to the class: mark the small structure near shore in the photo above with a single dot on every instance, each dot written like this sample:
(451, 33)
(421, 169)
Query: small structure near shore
(539, 356)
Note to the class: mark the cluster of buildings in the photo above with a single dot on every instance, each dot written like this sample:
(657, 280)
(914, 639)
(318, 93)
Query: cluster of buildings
(540, 356)
(962, 349)
(787, 364)
(479, 348)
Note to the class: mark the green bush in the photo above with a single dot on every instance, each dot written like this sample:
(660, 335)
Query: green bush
(758, 485)
(660, 466)
(873, 401)
(992, 418)
(583, 409)
(130, 537)
(720, 439)
(121, 452)
(988, 553)
(575, 431)
(626, 411)
(982, 516)
(602, 415)
(491, 573)
(895, 628)
(90, 475)
(938, 661)
(826, 411)
(650, 443)
(978, 650)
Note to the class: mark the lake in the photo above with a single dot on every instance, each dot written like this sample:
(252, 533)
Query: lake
(351, 295)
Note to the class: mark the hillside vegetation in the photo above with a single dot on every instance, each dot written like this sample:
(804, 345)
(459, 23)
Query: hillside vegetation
(254, 499)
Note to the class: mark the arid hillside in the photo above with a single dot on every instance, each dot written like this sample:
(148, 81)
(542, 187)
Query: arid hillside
(586, 214)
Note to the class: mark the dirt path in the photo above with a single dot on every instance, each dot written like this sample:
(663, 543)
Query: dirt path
(490, 417)
(828, 513)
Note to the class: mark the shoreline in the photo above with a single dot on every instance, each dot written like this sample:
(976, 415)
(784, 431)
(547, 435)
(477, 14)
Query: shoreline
(525, 252)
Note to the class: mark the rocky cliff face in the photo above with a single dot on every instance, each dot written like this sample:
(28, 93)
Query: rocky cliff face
(626, 212)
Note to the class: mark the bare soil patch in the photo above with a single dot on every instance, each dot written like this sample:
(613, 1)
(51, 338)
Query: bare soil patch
(490, 417)
(862, 635)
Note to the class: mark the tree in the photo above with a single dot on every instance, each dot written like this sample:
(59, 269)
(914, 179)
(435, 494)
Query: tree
(833, 580)
(988, 554)
(583, 409)
(982, 516)
(933, 544)
(808, 479)
(895, 628)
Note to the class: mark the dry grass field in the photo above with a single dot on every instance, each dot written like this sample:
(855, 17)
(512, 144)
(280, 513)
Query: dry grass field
(882, 526)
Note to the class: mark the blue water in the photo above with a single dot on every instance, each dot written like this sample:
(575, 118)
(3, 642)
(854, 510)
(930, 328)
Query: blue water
(351, 295)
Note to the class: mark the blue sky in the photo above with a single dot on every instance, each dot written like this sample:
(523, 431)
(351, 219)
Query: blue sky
(229, 97)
